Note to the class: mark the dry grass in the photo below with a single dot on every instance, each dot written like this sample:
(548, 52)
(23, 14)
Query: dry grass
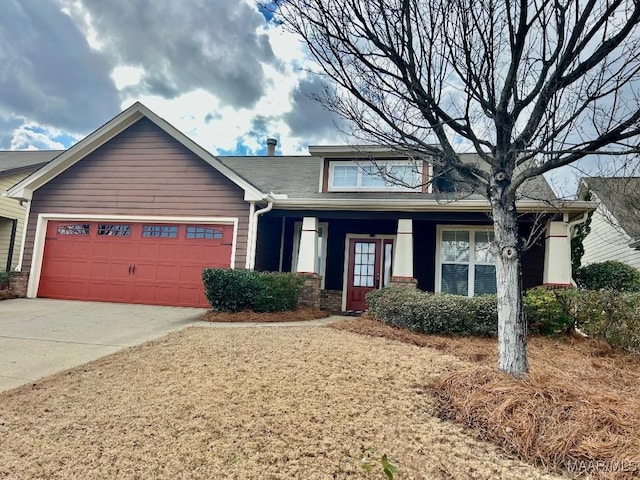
(259, 403)
(299, 314)
(577, 409)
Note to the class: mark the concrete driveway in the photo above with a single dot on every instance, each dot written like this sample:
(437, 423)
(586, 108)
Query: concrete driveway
(39, 337)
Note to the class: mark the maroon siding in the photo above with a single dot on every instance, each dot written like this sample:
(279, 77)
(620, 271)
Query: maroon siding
(142, 171)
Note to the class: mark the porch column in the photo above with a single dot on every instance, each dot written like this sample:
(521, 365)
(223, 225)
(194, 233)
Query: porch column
(402, 271)
(308, 250)
(557, 255)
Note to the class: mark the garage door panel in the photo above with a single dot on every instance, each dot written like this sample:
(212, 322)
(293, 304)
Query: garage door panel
(164, 270)
(81, 269)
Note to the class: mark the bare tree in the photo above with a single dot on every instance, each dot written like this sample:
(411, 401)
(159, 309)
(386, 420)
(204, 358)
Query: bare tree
(529, 86)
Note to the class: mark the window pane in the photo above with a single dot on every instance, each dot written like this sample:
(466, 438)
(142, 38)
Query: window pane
(485, 279)
(404, 175)
(345, 176)
(204, 233)
(482, 251)
(114, 230)
(371, 177)
(455, 246)
(74, 229)
(455, 279)
(165, 231)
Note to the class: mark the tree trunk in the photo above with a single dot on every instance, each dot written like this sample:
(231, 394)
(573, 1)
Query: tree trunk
(512, 329)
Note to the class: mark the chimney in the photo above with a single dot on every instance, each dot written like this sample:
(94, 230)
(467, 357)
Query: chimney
(271, 146)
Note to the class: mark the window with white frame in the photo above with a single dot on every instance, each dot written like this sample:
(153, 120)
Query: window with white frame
(466, 264)
(321, 248)
(379, 175)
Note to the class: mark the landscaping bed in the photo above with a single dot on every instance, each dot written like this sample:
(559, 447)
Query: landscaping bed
(297, 315)
(576, 410)
(247, 403)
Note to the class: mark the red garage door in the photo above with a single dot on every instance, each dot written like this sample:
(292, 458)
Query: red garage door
(155, 264)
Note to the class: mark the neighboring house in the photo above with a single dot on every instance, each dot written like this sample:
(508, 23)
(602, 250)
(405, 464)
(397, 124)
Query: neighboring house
(133, 212)
(14, 167)
(615, 224)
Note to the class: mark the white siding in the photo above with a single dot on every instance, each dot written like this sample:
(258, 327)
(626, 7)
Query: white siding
(608, 242)
(10, 209)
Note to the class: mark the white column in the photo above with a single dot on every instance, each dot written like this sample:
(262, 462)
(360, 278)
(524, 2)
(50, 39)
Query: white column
(557, 255)
(308, 250)
(403, 250)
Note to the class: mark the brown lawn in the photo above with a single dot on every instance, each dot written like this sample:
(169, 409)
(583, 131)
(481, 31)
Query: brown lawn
(259, 403)
(577, 409)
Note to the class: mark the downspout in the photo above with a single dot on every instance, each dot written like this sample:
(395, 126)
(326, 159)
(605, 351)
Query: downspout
(25, 225)
(253, 240)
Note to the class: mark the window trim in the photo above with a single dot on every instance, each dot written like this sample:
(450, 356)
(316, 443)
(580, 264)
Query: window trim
(297, 233)
(376, 163)
(472, 263)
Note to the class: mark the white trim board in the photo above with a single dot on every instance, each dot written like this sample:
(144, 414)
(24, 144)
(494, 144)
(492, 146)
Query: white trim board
(44, 218)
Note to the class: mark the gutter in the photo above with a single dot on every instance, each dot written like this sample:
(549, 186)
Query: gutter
(253, 232)
(424, 205)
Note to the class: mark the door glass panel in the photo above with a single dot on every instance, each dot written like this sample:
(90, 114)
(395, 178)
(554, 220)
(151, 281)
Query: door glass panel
(117, 230)
(388, 251)
(74, 229)
(364, 264)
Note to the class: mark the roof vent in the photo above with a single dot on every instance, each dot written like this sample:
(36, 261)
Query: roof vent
(271, 146)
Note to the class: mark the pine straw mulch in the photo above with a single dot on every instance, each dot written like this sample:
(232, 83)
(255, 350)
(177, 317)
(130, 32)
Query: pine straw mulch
(577, 410)
(249, 316)
(7, 295)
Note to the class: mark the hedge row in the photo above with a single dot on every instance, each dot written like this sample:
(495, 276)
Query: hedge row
(237, 290)
(613, 316)
(435, 313)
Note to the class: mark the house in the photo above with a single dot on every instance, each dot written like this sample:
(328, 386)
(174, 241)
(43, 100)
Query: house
(615, 224)
(14, 167)
(134, 211)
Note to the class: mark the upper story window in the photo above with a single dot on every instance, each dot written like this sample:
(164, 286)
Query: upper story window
(382, 175)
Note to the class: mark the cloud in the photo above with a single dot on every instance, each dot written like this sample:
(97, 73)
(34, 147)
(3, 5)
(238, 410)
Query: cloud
(49, 73)
(216, 46)
(308, 118)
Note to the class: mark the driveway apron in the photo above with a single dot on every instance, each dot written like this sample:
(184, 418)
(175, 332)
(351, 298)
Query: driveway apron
(40, 337)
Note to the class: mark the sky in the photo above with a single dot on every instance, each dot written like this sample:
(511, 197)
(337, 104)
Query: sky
(217, 70)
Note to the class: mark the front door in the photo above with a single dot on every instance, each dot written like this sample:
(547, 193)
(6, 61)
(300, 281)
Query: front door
(369, 267)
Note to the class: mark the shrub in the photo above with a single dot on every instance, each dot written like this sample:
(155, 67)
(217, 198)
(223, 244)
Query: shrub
(612, 316)
(611, 275)
(550, 311)
(434, 314)
(5, 278)
(237, 290)
(277, 292)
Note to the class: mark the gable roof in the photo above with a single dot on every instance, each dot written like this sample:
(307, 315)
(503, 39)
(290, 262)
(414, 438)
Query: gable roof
(621, 197)
(24, 189)
(13, 161)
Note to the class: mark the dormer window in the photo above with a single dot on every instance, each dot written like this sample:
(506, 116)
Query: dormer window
(381, 175)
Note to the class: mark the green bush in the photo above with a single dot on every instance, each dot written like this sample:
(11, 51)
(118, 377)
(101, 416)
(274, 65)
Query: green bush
(237, 290)
(434, 314)
(550, 311)
(277, 292)
(612, 316)
(611, 275)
